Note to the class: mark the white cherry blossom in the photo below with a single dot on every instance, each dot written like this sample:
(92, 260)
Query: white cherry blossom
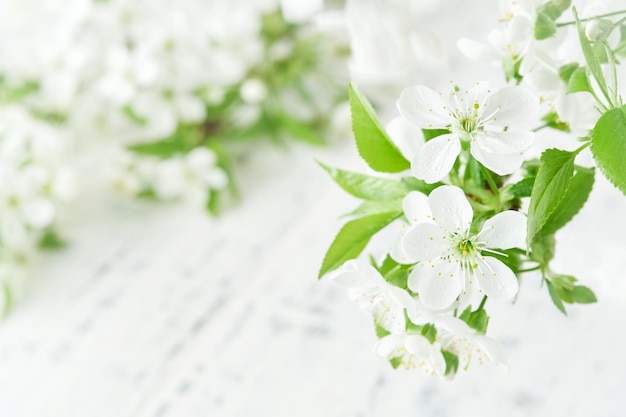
(366, 287)
(475, 118)
(470, 346)
(514, 41)
(416, 210)
(413, 351)
(452, 259)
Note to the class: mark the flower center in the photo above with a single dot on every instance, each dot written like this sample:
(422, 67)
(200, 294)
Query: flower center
(466, 248)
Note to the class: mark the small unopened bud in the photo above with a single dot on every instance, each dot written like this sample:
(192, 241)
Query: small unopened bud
(598, 30)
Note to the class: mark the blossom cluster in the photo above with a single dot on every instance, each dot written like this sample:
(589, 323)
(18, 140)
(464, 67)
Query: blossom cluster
(36, 182)
(178, 89)
(471, 207)
(163, 79)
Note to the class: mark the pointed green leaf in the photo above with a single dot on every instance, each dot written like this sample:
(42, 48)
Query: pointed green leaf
(579, 81)
(372, 141)
(452, 362)
(573, 200)
(608, 146)
(583, 295)
(522, 188)
(555, 297)
(566, 71)
(352, 239)
(553, 179)
(545, 26)
(367, 187)
(372, 207)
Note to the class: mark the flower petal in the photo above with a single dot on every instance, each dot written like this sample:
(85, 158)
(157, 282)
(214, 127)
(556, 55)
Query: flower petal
(505, 142)
(356, 274)
(478, 51)
(424, 107)
(501, 164)
(510, 106)
(438, 284)
(450, 208)
(424, 241)
(504, 231)
(496, 279)
(387, 345)
(435, 159)
(492, 349)
(416, 208)
(406, 135)
(386, 313)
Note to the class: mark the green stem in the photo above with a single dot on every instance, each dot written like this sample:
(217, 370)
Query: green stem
(490, 181)
(537, 129)
(482, 303)
(591, 18)
(535, 268)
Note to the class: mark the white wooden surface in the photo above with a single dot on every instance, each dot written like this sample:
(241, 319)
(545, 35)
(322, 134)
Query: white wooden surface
(157, 311)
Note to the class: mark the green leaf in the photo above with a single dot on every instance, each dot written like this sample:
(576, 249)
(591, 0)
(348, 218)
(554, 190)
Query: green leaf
(608, 146)
(555, 8)
(352, 239)
(545, 26)
(372, 141)
(399, 277)
(452, 362)
(477, 320)
(372, 207)
(522, 188)
(583, 295)
(433, 133)
(566, 71)
(573, 200)
(579, 81)
(429, 331)
(163, 149)
(367, 187)
(542, 249)
(414, 184)
(555, 297)
(553, 179)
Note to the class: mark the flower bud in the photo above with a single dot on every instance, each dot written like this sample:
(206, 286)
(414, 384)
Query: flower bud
(598, 29)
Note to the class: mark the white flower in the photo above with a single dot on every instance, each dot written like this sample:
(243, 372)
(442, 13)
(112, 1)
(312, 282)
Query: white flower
(189, 176)
(476, 118)
(450, 255)
(515, 41)
(413, 351)
(366, 287)
(457, 337)
(416, 210)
